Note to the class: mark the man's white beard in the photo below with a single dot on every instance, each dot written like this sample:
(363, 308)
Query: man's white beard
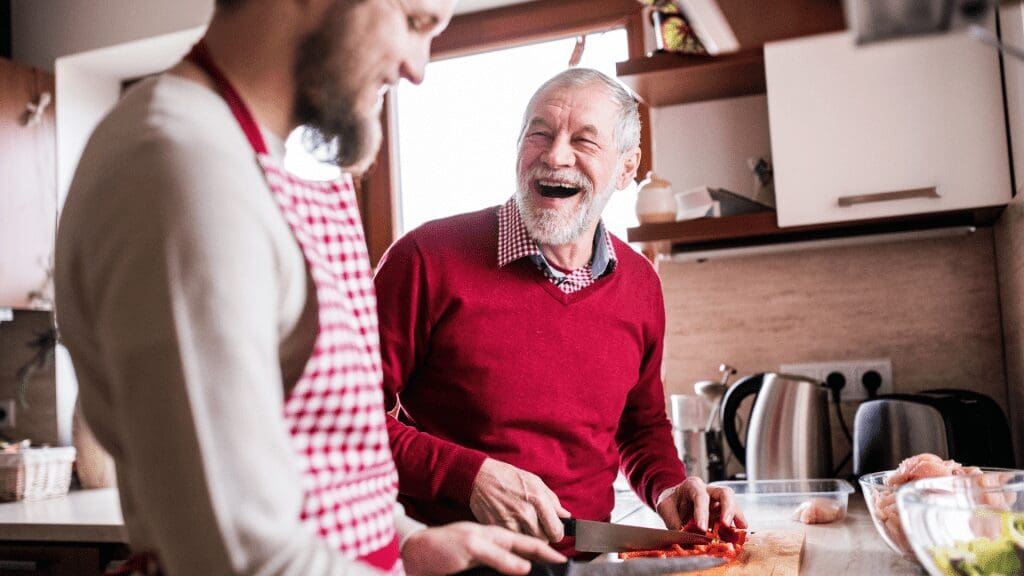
(564, 225)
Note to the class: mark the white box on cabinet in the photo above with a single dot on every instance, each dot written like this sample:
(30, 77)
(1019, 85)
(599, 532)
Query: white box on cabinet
(851, 121)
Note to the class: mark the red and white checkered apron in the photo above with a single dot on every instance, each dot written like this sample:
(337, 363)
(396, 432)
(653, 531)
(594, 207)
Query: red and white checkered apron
(336, 412)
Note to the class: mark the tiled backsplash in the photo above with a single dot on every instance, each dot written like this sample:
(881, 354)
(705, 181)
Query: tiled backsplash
(930, 305)
(37, 419)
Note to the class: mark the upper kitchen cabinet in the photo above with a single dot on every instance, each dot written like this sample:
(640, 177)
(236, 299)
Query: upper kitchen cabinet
(892, 129)
(28, 196)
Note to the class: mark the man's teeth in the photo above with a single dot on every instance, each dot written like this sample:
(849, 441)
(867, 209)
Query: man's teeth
(552, 184)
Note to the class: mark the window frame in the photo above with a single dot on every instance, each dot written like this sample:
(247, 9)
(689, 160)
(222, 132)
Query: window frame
(483, 31)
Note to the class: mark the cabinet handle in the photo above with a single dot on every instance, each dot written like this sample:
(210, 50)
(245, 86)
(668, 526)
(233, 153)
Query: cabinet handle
(930, 192)
(18, 566)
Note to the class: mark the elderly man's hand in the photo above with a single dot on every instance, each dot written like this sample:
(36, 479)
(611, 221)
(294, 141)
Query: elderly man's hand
(463, 545)
(518, 500)
(692, 499)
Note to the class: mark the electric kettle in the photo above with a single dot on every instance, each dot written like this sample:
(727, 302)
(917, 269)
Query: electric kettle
(788, 435)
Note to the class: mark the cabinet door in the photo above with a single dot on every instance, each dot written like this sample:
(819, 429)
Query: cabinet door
(905, 127)
(28, 185)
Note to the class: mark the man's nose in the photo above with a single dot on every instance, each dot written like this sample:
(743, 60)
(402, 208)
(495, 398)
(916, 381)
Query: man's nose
(559, 153)
(414, 67)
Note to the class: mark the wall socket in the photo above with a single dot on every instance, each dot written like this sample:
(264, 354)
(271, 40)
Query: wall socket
(7, 413)
(852, 370)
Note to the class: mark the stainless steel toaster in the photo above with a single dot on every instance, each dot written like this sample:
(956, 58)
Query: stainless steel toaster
(960, 424)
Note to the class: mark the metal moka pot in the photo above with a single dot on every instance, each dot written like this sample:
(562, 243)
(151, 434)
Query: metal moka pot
(701, 453)
(697, 433)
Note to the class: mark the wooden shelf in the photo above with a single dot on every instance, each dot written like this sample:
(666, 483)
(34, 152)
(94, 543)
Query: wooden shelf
(755, 23)
(761, 228)
(666, 79)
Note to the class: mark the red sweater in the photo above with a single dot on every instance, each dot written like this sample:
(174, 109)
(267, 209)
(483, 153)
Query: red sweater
(499, 362)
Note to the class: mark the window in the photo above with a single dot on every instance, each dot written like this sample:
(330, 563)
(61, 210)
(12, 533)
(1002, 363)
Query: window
(303, 163)
(457, 131)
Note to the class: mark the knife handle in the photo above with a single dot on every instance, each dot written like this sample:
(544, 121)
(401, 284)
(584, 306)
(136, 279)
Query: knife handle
(536, 569)
(570, 526)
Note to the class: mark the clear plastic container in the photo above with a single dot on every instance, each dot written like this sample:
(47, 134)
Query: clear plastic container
(813, 501)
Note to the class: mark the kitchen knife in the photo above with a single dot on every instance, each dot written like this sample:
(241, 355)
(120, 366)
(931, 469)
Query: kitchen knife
(635, 567)
(605, 537)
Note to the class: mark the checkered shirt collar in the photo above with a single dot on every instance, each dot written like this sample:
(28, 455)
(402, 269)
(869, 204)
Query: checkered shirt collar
(514, 241)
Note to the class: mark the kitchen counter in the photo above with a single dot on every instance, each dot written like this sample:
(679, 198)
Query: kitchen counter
(851, 547)
(81, 516)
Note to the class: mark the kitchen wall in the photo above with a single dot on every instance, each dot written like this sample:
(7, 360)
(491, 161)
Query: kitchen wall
(44, 31)
(37, 420)
(1009, 232)
(1011, 29)
(929, 305)
(708, 143)
(1009, 235)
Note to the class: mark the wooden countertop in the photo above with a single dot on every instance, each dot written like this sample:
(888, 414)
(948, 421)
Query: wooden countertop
(81, 516)
(851, 547)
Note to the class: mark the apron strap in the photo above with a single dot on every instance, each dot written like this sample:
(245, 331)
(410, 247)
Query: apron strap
(200, 56)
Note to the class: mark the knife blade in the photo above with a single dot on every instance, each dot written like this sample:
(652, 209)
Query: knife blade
(635, 567)
(606, 537)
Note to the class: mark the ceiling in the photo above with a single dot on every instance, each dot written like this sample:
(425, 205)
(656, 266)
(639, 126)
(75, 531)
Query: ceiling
(464, 6)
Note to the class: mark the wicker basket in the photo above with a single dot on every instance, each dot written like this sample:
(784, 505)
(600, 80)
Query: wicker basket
(35, 473)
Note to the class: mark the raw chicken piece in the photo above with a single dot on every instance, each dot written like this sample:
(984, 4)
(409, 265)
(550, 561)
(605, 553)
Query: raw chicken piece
(921, 466)
(967, 471)
(818, 511)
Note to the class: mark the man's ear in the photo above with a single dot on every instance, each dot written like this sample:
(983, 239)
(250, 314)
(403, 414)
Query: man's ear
(630, 163)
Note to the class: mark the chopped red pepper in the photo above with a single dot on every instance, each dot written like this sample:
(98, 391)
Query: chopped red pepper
(726, 542)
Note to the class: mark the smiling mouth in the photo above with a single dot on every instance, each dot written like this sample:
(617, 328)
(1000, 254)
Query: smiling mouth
(557, 190)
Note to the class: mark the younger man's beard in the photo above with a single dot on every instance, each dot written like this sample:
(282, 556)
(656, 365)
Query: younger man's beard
(325, 105)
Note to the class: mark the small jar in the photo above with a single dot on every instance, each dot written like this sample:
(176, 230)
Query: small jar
(654, 201)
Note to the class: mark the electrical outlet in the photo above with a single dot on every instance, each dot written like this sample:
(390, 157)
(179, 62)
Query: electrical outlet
(881, 366)
(7, 413)
(852, 370)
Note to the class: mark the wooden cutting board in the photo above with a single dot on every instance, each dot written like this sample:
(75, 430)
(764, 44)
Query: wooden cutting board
(767, 553)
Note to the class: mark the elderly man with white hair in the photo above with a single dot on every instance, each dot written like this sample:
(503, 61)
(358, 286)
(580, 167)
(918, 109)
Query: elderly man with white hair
(522, 344)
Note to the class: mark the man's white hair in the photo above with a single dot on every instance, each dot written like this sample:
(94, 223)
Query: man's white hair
(627, 128)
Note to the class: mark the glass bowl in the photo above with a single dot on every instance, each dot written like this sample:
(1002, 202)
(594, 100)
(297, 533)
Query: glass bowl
(966, 524)
(881, 502)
